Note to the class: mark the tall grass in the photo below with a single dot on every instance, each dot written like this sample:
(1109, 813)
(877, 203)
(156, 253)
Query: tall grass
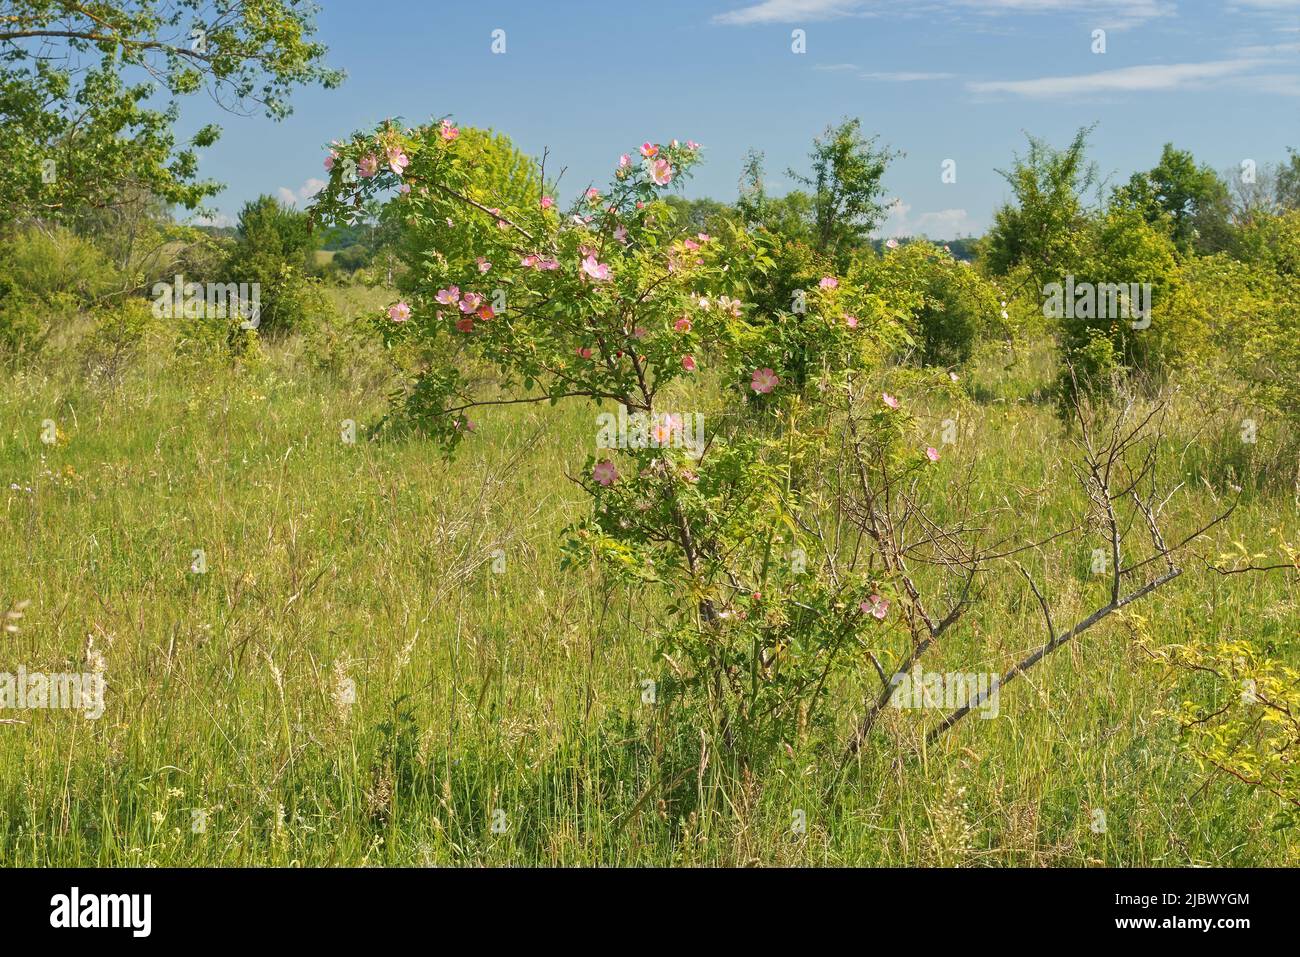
(491, 687)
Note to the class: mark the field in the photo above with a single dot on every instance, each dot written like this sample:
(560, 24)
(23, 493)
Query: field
(381, 661)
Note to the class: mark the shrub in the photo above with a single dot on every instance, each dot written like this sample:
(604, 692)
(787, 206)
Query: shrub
(46, 275)
(615, 300)
(200, 257)
(22, 333)
(46, 262)
(946, 306)
(121, 331)
(272, 249)
(351, 258)
(1120, 249)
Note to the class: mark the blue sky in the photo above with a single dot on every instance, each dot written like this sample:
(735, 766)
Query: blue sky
(935, 79)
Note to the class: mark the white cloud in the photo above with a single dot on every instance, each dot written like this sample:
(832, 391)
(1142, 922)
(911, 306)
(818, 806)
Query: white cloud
(939, 224)
(906, 77)
(1109, 13)
(1152, 78)
(790, 11)
(1281, 84)
(218, 219)
(305, 192)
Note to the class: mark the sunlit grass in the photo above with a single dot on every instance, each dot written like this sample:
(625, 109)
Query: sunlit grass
(493, 687)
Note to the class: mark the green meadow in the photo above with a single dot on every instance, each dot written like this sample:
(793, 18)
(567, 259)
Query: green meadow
(383, 663)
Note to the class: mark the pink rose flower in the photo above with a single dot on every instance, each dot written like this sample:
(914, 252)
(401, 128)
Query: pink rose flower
(596, 270)
(764, 381)
(876, 607)
(661, 172)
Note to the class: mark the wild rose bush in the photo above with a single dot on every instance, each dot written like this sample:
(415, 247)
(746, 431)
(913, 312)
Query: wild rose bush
(613, 300)
(606, 300)
(763, 619)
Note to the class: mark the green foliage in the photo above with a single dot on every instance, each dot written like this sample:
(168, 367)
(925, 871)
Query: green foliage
(46, 274)
(121, 332)
(700, 215)
(589, 299)
(844, 178)
(351, 258)
(842, 202)
(1288, 182)
(1189, 201)
(788, 217)
(1239, 718)
(22, 331)
(1268, 357)
(617, 300)
(48, 262)
(272, 247)
(1041, 230)
(79, 86)
(778, 271)
(946, 306)
(1121, 249)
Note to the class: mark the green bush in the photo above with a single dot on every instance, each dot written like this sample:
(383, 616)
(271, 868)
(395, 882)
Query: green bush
(352, 258)
(273, 249)
(946, 306)
(1120, 249)
(201, 257)
(46, 262)
(22, 334)
(47, 274)
(121, 332)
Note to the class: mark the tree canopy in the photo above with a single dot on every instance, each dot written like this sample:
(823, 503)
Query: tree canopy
(90, 91)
